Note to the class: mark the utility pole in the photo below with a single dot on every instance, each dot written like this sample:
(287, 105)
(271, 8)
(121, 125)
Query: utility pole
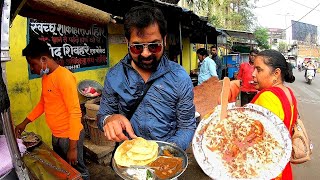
(287, 40)
(285, 23)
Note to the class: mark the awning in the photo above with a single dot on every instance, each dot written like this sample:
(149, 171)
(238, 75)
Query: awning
(69, 12)
(238, 34)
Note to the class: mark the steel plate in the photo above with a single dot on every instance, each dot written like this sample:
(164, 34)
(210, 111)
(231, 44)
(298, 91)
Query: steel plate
(173, 149)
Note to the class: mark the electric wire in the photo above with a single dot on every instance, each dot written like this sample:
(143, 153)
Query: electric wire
(303, 5)
(268, 4)
(302, 17)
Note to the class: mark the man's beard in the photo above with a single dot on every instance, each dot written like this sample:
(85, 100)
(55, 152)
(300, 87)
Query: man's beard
(141, 62)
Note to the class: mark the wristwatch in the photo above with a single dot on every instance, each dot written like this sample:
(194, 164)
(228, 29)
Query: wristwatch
(105, 119)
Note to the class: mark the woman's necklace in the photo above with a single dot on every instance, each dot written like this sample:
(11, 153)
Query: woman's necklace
(277, 84)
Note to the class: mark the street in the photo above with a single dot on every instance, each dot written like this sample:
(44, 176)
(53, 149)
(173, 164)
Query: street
(308, 97)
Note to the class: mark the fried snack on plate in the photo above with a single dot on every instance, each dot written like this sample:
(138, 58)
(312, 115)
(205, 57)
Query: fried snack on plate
(139, 152)
(245, 147)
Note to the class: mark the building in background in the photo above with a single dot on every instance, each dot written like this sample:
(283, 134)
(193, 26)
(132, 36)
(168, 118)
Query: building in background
(305, 41)
(277, 38)
(303, 32)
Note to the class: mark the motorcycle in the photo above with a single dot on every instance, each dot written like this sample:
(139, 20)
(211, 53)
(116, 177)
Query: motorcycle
(309, 75)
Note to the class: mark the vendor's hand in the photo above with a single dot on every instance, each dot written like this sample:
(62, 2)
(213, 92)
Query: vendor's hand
(21, 127)
(72, 156)
(234, 91)
(114, 127)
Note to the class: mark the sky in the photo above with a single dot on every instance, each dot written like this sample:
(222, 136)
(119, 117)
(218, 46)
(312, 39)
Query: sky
(279, 13)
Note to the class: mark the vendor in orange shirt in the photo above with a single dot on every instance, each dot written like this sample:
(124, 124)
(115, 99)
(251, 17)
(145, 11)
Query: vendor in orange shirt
(60, 102)
(245, 75)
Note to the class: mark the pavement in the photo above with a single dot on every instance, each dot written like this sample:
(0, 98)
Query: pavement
(308, 97)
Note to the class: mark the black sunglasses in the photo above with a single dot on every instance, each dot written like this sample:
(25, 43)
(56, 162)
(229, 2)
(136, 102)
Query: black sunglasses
(152, 47)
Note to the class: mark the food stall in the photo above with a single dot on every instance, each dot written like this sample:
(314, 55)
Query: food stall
(39, 160)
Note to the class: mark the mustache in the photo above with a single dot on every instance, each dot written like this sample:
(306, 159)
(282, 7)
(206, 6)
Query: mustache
(141, 58)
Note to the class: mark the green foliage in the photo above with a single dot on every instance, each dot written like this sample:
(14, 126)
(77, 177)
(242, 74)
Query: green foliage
(216, 21)
(261, 35)
(227, 14)
(282, 47)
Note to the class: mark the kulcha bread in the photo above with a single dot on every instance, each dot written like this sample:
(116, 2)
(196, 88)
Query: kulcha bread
(137, 152)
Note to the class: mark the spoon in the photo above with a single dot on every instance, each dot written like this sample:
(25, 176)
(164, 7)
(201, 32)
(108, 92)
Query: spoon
(224, 97)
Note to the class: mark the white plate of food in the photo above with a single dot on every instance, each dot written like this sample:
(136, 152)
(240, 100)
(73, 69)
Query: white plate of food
(251, 143)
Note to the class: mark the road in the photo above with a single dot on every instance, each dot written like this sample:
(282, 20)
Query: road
(308, 97)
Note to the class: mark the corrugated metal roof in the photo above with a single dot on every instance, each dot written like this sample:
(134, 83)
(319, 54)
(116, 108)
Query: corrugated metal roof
(239, 34)
(192, 24)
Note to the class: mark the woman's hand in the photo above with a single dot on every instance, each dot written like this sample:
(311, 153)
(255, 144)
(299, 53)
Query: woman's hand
(234, 91)
(114, 127)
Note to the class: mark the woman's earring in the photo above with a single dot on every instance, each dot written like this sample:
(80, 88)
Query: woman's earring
(274, 81)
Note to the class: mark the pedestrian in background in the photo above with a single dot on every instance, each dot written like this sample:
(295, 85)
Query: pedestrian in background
(245, 76)
(208, 66)
(217, 60)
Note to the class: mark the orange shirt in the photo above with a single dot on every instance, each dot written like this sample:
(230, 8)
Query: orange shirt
(245, 74)
(60, 103)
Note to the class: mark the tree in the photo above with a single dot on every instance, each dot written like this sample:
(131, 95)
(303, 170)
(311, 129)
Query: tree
(282, 47)
(227, 14)
(261, 35)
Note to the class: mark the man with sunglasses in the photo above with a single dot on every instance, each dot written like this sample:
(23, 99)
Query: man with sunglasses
(146, 94)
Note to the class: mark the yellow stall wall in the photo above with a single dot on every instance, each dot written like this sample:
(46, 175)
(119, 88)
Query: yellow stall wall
(186, 54)
(25, 93)
(189, 55)
(193, 56)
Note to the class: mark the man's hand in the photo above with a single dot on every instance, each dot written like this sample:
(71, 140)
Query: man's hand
(20, 127)
(72, 154)
(114, 127)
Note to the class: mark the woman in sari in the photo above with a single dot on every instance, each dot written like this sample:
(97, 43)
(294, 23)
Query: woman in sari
(270, 73)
